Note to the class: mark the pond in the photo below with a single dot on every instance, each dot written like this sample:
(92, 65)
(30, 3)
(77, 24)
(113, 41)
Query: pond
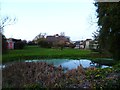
(65, 63)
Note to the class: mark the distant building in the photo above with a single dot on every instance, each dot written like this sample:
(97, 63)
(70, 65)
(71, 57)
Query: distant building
(87, 43)
(77, 44)
(82, 44)
(94, 45)
(11, 43)
(56, 38)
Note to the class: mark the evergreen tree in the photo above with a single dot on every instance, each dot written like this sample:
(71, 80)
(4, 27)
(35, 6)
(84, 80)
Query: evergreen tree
(109, 27)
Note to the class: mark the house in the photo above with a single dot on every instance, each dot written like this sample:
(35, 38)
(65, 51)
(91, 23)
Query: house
(56, 39)
(51, 39)
(82, 44)
(11, 43)
(77, 44)
(94, 45)
(87, 43)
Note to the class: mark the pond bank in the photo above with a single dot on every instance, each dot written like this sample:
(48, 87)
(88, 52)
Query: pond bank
(43, 75)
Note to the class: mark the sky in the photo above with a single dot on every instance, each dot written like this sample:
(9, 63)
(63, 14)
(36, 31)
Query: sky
(75, 18)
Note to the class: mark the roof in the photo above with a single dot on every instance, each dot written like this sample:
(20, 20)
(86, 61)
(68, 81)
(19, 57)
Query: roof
(15, 40)
(51, 38)
(88, 39)
(54, 38)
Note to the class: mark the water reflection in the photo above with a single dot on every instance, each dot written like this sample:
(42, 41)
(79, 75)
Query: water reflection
(66, 63)
(70, 63)
(75, 63)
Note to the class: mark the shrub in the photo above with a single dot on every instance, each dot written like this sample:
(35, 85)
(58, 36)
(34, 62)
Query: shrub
(19, 45)
(72, 45)
(44, 44)
(31, 43)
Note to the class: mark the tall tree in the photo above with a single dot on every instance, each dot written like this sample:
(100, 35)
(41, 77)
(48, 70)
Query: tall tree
(109, 27)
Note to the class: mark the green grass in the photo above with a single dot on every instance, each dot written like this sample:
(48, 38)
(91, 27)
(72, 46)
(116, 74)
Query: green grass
(35, 52)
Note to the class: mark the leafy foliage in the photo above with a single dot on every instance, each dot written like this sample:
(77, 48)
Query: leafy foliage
(103, 78)
(109, 27)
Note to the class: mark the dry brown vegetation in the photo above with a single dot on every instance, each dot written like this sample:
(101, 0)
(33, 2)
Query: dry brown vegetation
(43, 75)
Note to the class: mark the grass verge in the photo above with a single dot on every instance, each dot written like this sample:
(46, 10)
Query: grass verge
(35, 52)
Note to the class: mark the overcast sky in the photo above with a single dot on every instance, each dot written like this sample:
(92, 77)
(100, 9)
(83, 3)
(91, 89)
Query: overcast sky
(73, 17)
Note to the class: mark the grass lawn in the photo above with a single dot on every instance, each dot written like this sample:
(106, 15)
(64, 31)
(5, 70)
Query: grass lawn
(35, 52)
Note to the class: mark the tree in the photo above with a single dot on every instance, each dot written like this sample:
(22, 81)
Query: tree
(39, 37)
(62, 34)
(61, 44)
(4, 22)
(31, 43)
(25, 42)
(109, 27)
(44, 44)
(19, 45)
(71, 45)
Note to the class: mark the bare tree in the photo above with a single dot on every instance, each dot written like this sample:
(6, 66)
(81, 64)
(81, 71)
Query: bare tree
(40, 36)
(62, 34)
(5, 21)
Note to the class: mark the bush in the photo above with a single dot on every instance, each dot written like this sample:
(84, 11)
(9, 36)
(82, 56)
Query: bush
(44, 44)
(19, 45)
(31, 43)
(25, 42)
(71, 45)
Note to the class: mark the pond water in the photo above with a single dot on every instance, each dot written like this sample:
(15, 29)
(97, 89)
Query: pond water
(66, 63)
